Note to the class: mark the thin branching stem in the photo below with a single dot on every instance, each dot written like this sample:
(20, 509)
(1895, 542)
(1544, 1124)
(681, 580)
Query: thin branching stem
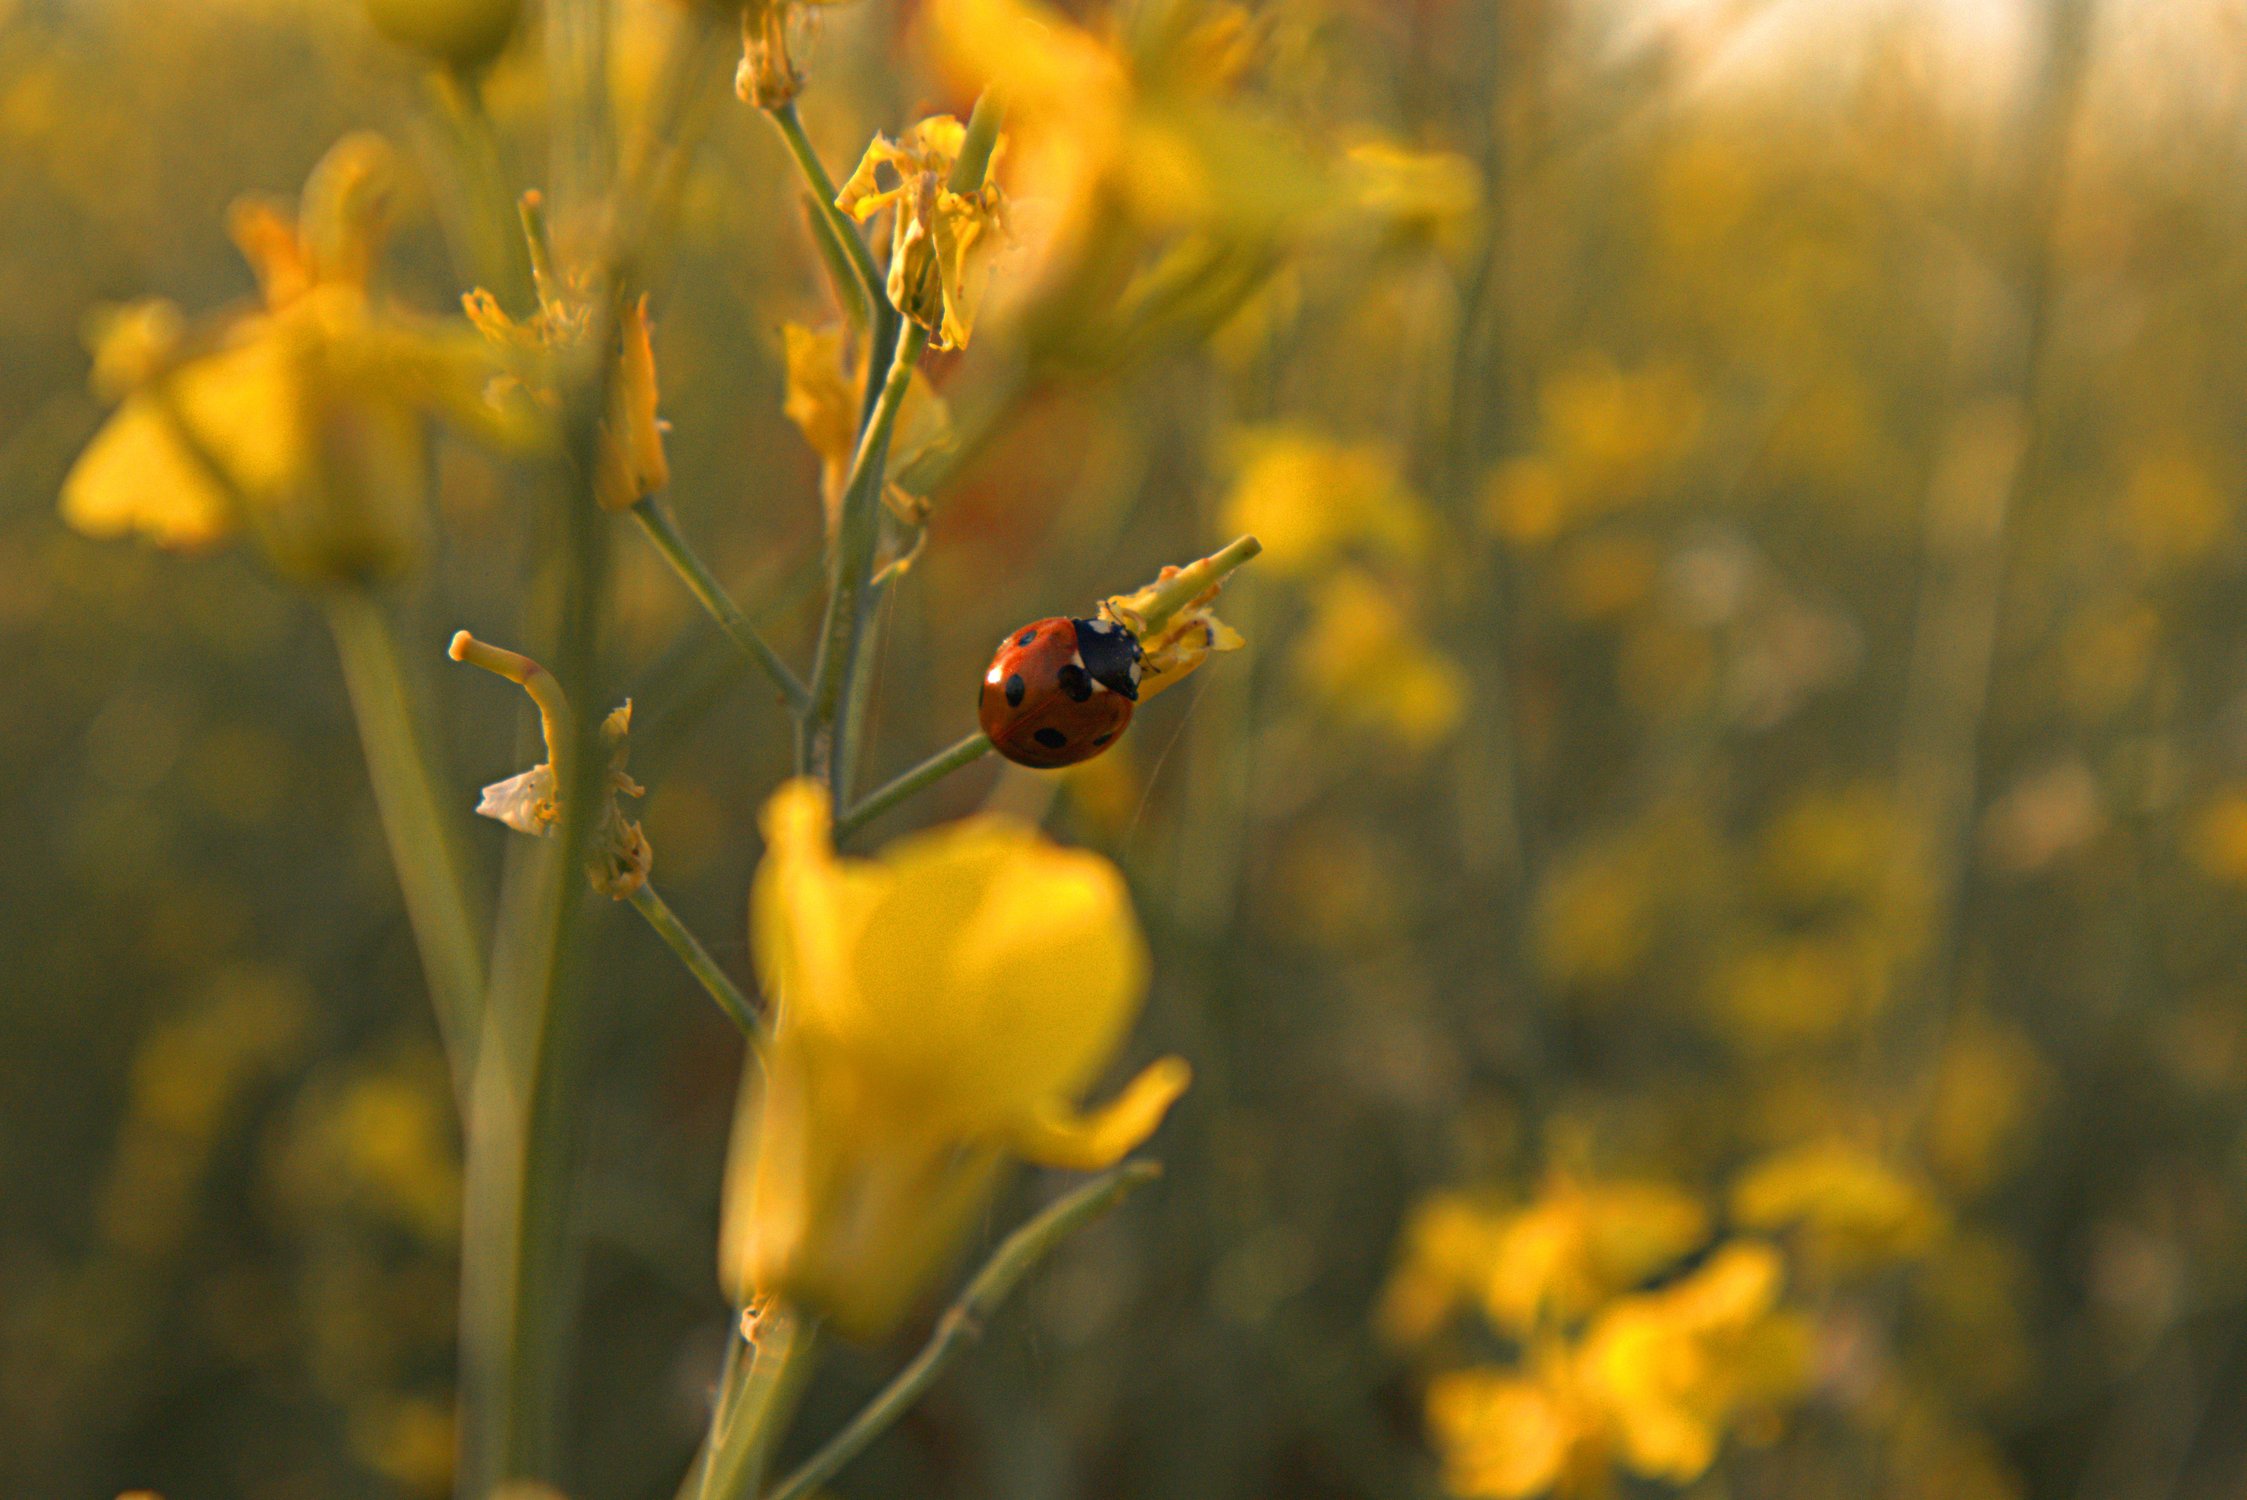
(662, 530)
(964, 1320)
(843, 236)
(855, 537)
(700, 964)
(927, 774)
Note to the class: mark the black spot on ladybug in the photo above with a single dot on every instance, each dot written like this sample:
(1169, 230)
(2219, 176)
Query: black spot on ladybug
(1052, 739)
(1076, 682)
(1102, 739)
(1015, 688)
(1025, 638)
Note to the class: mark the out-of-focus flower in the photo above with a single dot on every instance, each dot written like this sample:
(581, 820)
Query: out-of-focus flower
(1580, 1244)
(935, 1010)
(462, 34)
(1366, 663)
(941, 241)
(302, 421)
(1313, 500)
(1678, 1369)
(1852, 1209)
(1443, 1261)
(631, 465)
(1657, 1385)
(826, 392)
(1429, 196)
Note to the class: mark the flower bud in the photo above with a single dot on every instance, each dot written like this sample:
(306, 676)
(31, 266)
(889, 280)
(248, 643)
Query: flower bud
(463, 34)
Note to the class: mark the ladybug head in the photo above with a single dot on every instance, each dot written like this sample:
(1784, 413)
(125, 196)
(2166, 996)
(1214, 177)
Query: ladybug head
(1111, 655)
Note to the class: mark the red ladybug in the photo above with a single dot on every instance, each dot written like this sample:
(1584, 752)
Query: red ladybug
(1060, 691)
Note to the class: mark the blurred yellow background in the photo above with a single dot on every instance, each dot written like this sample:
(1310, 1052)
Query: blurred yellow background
(1730, 831)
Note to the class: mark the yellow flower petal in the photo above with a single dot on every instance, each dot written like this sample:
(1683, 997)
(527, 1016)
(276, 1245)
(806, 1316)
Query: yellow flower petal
(1056, 1136)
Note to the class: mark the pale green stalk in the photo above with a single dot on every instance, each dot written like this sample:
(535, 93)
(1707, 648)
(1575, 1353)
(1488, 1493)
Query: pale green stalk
(705, 969)
(842, 235)
(660, 529)
(855, 536)
(929, 772)
(438, 907)
(753, 1413)
(963, 1322)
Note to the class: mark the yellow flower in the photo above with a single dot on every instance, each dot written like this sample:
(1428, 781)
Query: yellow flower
(1505, 1436)
(1853, 1209)
(302, 421)
(1447, 1247)
(1367, 663)
(631, 465)
(941, 241)
(1185, 635)
(1675, 1370)
(1581, 1244)
(935, 1010)
(826, 391)
(1313, 500)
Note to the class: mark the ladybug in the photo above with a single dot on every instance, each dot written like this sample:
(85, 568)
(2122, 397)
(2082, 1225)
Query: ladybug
(1060, 691)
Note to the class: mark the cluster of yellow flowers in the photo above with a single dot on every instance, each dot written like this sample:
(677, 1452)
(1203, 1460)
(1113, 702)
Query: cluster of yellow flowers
(1646, 1339)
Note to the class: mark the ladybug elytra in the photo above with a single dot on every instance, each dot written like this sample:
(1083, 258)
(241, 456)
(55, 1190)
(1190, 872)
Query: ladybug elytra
(1060, 690)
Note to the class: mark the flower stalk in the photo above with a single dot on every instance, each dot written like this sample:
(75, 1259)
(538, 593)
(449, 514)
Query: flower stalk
(661, 530)
(963, 1322)
(753, 1415)
(705, 969)
(929, 772)
(422, 847)
(855, 539)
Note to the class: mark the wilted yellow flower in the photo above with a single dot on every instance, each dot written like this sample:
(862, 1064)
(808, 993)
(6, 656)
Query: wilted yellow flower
(631, 465)
(620, 856)
(935, 1010)
(302, 421)
(1853, 1209)
(767, 76)
(941, 241)
(1177, 636)
(826, 392)
(1368, 665)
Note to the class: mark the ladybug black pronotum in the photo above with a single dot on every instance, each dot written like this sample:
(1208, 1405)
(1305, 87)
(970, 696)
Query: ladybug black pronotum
(1060, 691)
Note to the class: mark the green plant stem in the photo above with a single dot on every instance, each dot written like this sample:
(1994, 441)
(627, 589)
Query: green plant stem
(438, 909)
(660, 529)
(517, 1276)
(855, 537)
(927, 774)
(844, 235)
(963, 1321)
(497, 255)
(698, 960)
(753, 1413)
(977, 143)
